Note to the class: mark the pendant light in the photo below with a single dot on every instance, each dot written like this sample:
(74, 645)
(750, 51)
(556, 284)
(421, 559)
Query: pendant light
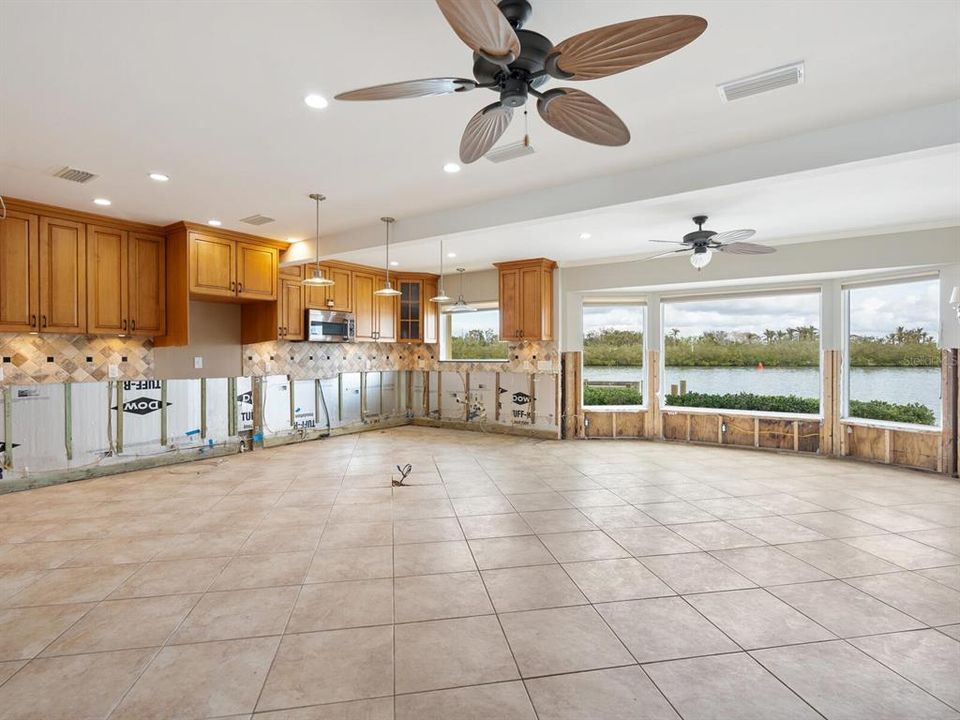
(387, 290)
(460, 306)
(441, 296)
(316, 278)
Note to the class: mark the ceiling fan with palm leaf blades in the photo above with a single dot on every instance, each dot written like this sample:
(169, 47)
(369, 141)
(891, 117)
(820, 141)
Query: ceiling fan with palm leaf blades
(515, 63)
(703, 243)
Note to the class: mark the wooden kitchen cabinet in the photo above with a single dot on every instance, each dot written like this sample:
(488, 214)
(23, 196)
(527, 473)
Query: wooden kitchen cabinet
(364, 303)
(107, 274)
(126, 291)
(221, 267)
(526, 299)
(280, 319)
(418, 317)
(387, 309)
(147, 288)
(63, 276)
(291, 310)
(257, 271)
(20, 272)
(338, 296)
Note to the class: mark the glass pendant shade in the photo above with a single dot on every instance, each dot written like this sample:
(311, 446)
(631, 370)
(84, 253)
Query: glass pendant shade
(460, 306)
(317, 279)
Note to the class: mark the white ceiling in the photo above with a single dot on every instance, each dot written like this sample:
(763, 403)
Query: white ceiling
(912, 191)
(211, 93)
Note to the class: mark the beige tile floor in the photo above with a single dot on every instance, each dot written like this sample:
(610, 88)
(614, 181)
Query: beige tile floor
(512, 579)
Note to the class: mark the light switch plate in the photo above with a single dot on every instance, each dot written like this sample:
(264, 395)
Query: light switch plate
(197, 362)
(113, 371)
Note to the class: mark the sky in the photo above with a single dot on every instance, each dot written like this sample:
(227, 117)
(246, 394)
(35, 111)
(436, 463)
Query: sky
(874, 311)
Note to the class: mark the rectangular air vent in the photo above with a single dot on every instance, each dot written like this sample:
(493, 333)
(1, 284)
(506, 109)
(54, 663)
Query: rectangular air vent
(762, 82)
(74, 175)
(509, 152)
(257, 220)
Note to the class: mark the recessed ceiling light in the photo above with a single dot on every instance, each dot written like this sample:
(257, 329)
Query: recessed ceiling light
(584, 236)
(451, 168)
(394, 263)
(101, 201)
(159, 177)
(215, 223)
(317, 102)
(451, 255)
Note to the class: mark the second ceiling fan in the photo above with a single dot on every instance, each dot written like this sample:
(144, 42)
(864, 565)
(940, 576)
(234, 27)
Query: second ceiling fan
(515, 63)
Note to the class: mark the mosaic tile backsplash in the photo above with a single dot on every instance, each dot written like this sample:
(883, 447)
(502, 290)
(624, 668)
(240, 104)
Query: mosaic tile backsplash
(303, 361)
(39, 359)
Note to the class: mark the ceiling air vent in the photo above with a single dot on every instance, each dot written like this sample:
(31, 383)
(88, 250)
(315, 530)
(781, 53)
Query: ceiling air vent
(257, 220)
(74, 175)
(509, 152)
(762, 82)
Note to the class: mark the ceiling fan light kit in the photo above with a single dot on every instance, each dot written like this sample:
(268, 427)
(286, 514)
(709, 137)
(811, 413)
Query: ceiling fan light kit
(703, 243)
(515, 63)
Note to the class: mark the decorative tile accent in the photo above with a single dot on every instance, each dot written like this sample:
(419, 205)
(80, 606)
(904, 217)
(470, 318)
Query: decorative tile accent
(305, 361)
(75, 358)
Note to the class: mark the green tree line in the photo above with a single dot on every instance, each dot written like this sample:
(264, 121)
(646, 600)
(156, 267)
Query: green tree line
(792, 347)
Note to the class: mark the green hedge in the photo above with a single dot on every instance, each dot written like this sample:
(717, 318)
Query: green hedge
(598, 395)
(870, 410)
(881, 410)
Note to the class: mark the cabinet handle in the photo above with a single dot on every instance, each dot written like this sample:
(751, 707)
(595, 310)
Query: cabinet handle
(33, 321)
(233, 286)
(43, 320)
(124, 325)
(133, 325)
(239, 287)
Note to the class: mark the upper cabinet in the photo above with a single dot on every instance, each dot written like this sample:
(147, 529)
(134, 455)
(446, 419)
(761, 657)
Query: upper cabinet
(125, 282)
(338, 296)
(42, 274)
(221, 267)
(526, 299)
(19, 273)
(63, 276)
(418, 318)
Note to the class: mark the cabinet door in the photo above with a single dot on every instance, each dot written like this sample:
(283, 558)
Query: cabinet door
(411, 308)
(387, 311)
(147, 284)
(509, 305)
(63, 276)
(257, 271)
(212, 266)
(531, 305)
(19, 273)
(292, 309)
(107, 292)
(363, 303)
(340, 291)
(431, 314)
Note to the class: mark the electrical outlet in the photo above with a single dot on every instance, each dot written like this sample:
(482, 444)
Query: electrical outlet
(197, 363)
(113, 371)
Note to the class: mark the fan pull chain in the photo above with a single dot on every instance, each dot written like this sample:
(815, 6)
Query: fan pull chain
(526, 129)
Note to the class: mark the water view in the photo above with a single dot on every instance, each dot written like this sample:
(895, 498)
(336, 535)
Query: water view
(901, 385)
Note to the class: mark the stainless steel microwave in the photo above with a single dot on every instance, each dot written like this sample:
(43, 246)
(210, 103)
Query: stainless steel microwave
(330, 326)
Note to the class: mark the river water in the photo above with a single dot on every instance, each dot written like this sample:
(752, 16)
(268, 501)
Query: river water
(896, 385)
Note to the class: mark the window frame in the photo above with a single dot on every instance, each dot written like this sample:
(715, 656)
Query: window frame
(446, 333)
(640, 302)
(846, 364)
(667, 300)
